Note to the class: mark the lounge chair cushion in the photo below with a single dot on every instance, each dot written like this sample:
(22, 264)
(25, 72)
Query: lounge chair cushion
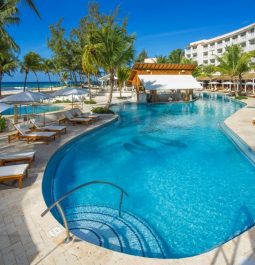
(13, 156)
(53, 127)
(14, 170)
(40, 134)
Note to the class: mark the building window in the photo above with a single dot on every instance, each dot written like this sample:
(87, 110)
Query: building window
(212, 61)
(205, 61)
(252, 41)
(219, 50)
(205, 53)
(243, 44)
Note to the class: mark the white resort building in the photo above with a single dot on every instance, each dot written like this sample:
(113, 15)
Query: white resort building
(205, 51)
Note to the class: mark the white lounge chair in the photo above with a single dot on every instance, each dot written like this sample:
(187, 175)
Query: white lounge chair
(80, 114)
(26, 157)
(49, 128)
(14, 172)
(74, 120)
(26, 133)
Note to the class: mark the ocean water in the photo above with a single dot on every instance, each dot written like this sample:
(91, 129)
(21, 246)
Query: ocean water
(30, 85)
(184, 177)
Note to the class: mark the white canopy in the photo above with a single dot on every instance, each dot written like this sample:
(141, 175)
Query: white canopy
(172, 82)
(25, 97)
(70, 91)
(249, 83)
(214, 83)
(4, 107)
(227, 83)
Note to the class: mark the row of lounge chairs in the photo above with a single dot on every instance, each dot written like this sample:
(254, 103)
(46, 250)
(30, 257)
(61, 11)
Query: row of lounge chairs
(8, 171)
(15, 172)
(50, 132)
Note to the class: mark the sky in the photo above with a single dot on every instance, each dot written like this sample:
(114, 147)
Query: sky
(160, 26)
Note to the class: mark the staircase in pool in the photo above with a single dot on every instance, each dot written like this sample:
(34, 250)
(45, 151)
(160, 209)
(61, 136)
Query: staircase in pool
(103, 227)
(109, 228)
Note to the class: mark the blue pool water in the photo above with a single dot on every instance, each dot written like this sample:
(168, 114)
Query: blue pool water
(184, 177)
(33, 109)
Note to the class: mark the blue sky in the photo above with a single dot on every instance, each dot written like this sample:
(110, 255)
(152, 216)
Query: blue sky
(160, 26)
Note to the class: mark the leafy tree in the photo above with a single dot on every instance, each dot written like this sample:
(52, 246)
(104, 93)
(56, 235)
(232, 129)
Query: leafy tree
(123, 74)
(141, 56)
(176, 56)
(162, 59)
(235, 62)
(31, 62)
(204, 71)
(8, 64)
(109, 45)
(48, 68)
(8, 16)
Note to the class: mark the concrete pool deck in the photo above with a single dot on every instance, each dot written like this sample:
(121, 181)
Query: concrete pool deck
(26, 238)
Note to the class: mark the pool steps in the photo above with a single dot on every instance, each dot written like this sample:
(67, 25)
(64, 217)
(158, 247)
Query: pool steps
(102, 226)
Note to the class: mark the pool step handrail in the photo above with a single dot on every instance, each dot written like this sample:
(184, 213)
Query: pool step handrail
(60, 209)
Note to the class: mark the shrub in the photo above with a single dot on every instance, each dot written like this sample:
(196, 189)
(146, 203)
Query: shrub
(2, 123)
(62, 101)
(102, 110)
(241, 97)
(90, 101)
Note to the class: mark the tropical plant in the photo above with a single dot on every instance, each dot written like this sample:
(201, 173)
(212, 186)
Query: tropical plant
(109, 45)
(141, 56)
(8, 64)
(176, 56)
(31, 62)
(122, 75)
(2, 123)
(89, 68)
(162, 59)
(8, 16)
(204, 71)
(235, 62)
(48, 68)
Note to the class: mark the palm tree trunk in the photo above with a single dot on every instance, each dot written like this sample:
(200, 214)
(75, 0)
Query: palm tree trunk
(240, 84)
(1, 78)
(37, 81)
(90, 96)
(120, 88)
(25, 83)
(111, 90)
(49, 80)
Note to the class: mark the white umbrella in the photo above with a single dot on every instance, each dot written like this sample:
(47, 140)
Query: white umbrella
(70, 91)
(4, 107)
(25, 97)
(250, 83)
(214, 83)
(227, 83)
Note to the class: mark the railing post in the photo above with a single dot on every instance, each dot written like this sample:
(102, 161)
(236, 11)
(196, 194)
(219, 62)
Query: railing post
(68, 236)
(120, 206)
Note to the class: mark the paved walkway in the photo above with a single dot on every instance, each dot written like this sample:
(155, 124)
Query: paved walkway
(26, 238)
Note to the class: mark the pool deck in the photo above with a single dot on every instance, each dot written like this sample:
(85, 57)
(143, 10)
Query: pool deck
(26, 238)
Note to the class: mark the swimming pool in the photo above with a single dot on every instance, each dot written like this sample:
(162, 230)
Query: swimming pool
(186, 180)
(33, 109)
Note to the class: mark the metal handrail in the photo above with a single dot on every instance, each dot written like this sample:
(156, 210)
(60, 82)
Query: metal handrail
(57, 203)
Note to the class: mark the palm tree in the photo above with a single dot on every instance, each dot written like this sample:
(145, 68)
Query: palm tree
(161, 59)
(31, 62)
(141, 56)
(122, 75)
(8, 64)
(48, 67)
(110, 47)
(176, 56)
(89, 68)
(8, 16)
(235, 62)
